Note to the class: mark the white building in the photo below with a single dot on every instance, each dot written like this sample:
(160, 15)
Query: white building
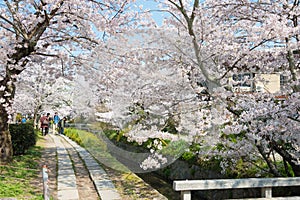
(250, 82)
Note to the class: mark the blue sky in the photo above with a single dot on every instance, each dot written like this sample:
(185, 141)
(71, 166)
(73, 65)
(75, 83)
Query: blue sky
(152, 5)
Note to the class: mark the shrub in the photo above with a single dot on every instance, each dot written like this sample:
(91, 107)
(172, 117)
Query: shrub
(23, 137)
(72, 133)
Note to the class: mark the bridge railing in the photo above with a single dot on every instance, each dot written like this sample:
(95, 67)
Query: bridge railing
(266, 185)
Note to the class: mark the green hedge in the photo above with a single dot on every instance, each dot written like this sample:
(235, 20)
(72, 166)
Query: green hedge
(73, 134)
(23, 137)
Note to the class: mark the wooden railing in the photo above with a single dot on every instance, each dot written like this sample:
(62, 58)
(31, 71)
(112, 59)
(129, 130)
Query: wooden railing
(266, 185)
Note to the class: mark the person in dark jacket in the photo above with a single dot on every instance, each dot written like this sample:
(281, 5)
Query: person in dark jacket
(61, 125)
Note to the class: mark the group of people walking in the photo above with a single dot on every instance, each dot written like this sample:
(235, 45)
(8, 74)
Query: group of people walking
(57, 123)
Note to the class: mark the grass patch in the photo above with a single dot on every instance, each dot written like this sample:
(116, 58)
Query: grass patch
(96, 147)
(17, 178)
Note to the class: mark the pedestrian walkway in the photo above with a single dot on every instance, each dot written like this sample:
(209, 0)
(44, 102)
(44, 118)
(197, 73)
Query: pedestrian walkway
(66, 179)
(67, 187)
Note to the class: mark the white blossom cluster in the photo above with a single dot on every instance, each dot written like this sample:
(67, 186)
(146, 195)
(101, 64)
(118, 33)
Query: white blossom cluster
(154, 161)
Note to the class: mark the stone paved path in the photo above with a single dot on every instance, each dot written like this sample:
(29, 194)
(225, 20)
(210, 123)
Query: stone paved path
(76, 186)
(85, 186)
(76, 175)
(103, 184)
(66, 179)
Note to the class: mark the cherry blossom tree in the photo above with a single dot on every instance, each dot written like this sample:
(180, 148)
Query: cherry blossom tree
(31, 29)
(44, 89)
(208, 42)
(262, 38)
(85, 97)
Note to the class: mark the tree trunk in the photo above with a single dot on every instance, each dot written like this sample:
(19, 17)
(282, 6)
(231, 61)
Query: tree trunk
(35, 115)
(292, 160)
(6, 150)
(270, 164)
(6, 95)
(15, 64)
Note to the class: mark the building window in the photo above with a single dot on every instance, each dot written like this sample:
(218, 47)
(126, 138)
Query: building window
(244, 80)
(283, 81)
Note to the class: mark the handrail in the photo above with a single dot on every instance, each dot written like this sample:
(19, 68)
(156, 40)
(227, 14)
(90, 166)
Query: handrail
(185, 186)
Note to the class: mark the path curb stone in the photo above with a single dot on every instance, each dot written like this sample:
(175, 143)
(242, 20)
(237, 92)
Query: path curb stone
(105, 187)
(66, 179)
